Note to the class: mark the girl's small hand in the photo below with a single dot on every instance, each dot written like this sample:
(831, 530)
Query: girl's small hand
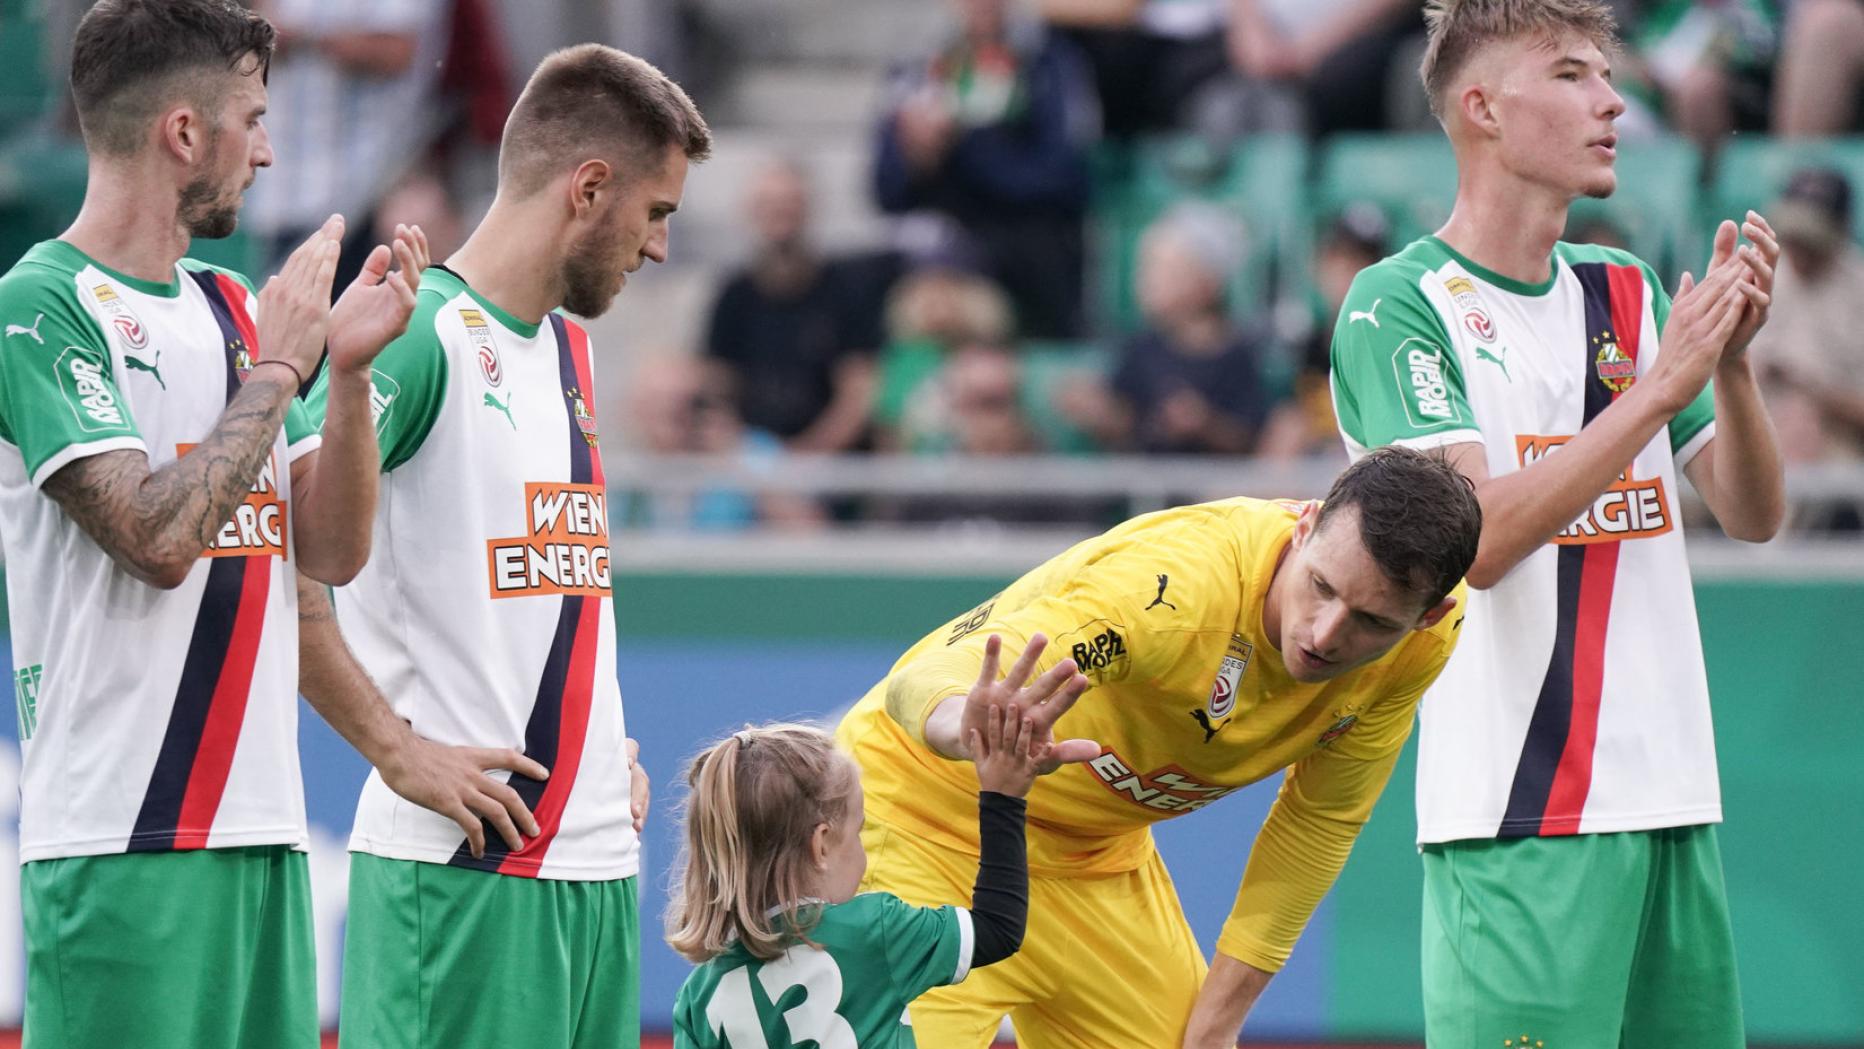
(1004, 752)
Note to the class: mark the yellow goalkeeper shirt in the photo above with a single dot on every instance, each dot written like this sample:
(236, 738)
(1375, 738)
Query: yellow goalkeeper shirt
(1190, 702)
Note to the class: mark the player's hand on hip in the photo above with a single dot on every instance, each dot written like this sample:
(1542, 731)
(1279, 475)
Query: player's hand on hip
(639, 790)
(294, 305)
(375, 308)
(453, 782)
(1005, 752)
(1043, 701)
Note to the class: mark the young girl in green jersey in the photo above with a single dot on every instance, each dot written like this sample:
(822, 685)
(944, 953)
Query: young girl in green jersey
(787, 952)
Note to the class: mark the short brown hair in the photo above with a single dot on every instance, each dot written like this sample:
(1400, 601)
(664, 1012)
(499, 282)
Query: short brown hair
(746, 876)
(592, 100)
(131, 58)
(1418, 517)
(1459, 28)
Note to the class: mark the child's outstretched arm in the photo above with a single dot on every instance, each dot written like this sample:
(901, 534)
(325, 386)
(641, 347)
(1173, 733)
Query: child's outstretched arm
(1006, 769)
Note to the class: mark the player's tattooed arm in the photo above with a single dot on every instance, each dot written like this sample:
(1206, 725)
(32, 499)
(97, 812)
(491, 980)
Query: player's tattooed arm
(451, 781)
(155, 523)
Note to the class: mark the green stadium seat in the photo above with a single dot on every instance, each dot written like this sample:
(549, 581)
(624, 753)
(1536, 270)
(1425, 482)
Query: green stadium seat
(1048, 368)
(1261, 180)
(1750, 172)
(1411, 177)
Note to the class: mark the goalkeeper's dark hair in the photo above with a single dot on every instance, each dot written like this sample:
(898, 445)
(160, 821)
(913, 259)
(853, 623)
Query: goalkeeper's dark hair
(592, 101)
(1457, 29)
(755, 799)
(1418, 517)
(132, 59)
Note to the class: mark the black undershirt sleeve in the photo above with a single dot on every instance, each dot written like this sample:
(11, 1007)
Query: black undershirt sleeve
(1000, 898)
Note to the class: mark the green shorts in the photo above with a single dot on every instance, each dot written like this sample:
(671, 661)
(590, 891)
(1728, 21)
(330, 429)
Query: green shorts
(1595, 940)
(203, 949)
(439, 957)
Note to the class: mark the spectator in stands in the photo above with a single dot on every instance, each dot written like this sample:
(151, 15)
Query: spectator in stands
(976, 410)
(940, 305)
(1191, 381)
(1821, 69)
(351, 108)
(1358, 236)
(683, 405)
(1810, 354)
(1339, 57)
(793, 327)
(993, 131)
(1711, 64)
(1157, 64)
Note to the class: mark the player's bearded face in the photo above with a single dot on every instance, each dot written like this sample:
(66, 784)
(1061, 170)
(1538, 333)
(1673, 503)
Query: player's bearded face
(209, 204)
(593, 271)
(1339, 610)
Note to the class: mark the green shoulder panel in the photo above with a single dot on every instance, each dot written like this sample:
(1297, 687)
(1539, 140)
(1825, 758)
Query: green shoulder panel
(409, 385)
(57, 386)
(1395, 376)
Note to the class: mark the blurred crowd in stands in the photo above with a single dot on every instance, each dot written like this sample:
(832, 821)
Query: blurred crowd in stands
(1115, 225)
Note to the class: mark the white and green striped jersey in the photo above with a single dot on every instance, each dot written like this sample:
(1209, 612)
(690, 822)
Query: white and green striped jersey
(485, 612)
(1577, 701)
(149, 719)
(848, 988)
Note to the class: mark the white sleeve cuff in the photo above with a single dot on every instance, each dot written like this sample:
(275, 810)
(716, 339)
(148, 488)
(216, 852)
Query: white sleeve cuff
(967, 943)
(1695, 445)
(73, 452)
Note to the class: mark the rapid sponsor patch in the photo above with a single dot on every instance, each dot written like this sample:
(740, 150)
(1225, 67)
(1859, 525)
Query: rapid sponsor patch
(1169, 789)
(1102, 657)
(87, 391)
(1632, 508)
(258, 525)
(1418, 367)
(566, 550)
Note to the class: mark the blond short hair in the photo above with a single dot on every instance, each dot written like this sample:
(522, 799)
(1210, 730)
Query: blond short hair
(1458, 29)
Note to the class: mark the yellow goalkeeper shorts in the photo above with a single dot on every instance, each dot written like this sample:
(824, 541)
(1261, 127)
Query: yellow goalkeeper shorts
(1108, 961)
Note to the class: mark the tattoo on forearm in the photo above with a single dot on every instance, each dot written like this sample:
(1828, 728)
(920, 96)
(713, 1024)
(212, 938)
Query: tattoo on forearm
(144, 518)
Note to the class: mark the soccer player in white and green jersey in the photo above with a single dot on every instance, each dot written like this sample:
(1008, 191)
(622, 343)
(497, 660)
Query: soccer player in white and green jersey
(485, 615)
(160, 493)
(1566, 789)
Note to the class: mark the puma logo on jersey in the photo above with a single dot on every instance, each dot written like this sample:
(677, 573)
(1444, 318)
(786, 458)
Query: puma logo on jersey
(154, 369)
(1169, 789)
(492, 402)
(1203, 722)
(1499, 361)
(1164, 581)
(566, 551)
(1370, 316)
(21, 329)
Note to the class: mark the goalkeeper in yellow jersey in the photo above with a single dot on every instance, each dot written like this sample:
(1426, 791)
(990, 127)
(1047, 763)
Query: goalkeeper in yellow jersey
(1208, 647)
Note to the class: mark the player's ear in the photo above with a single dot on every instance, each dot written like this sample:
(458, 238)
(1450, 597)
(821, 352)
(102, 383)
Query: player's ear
(586, 183)
(1305, 524)
(183, 133)
(1436, 614)
(1476, 105)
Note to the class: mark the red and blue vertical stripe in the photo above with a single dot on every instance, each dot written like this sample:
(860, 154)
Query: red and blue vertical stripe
(559, 721)
(1554, 773)
(191, 769)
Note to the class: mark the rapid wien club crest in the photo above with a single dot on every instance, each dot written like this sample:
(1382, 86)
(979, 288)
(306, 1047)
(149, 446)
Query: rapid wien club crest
(1340, 727)
(584, 421)
(1616, 370)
